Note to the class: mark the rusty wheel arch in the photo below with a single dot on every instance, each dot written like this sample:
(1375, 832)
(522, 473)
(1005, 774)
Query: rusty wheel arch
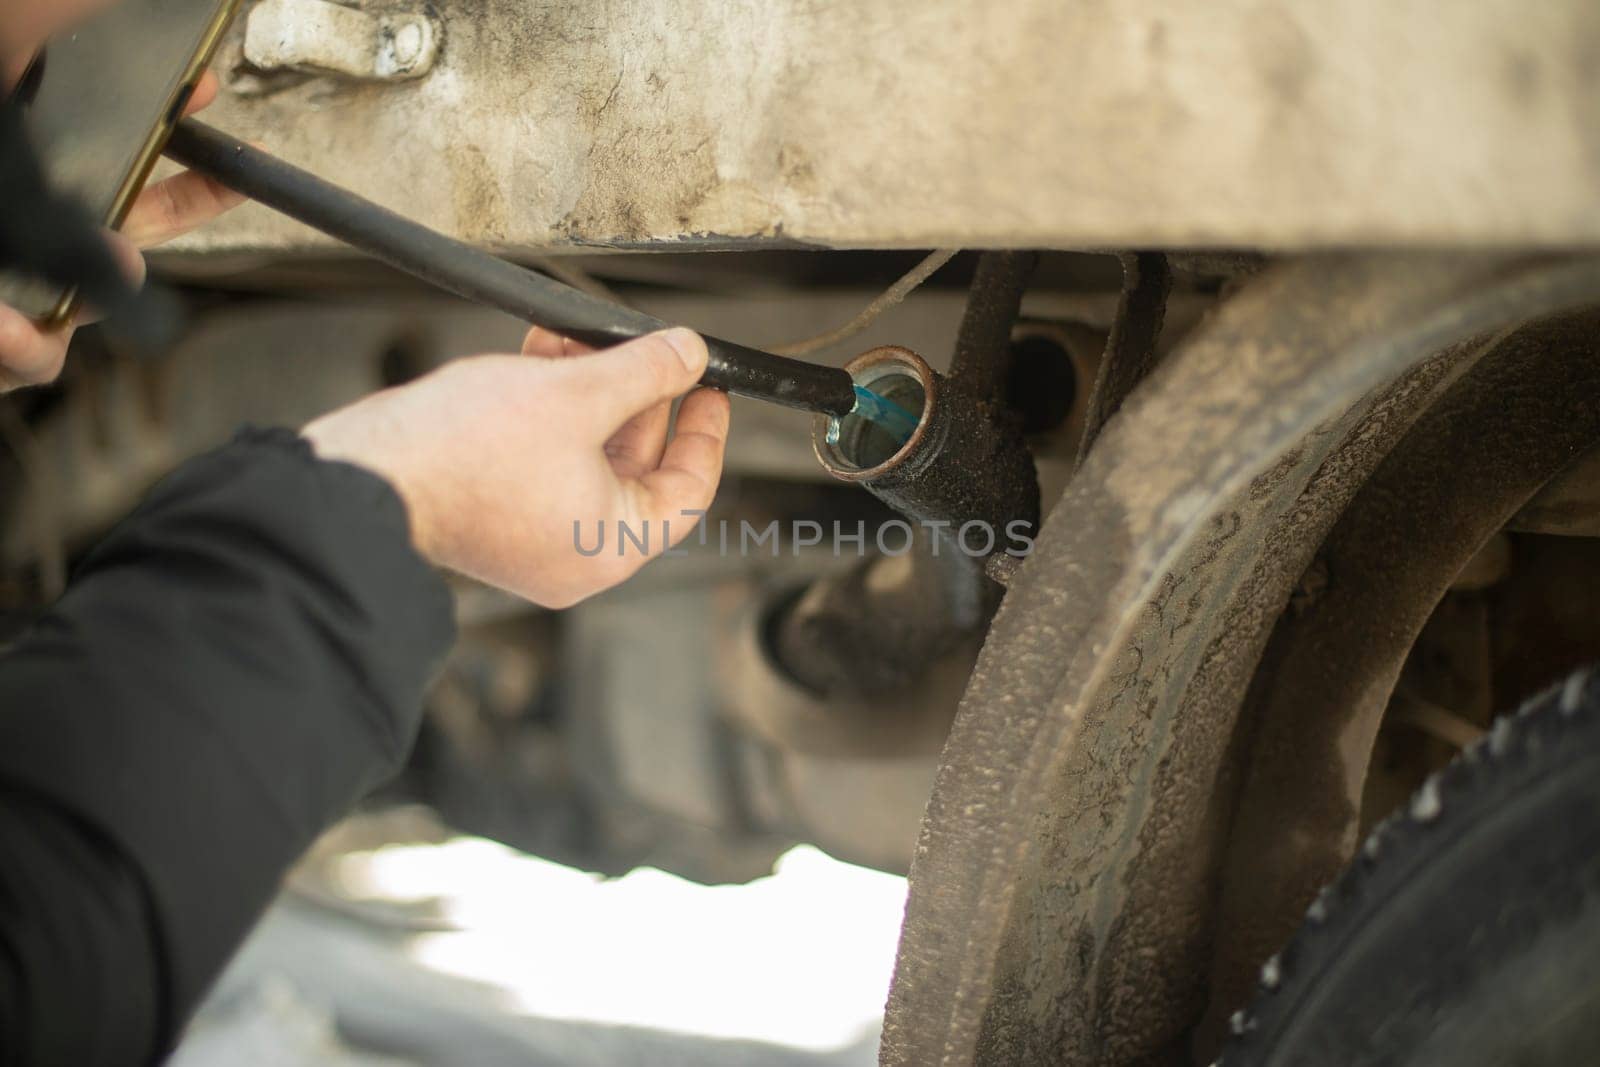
(1063, 891)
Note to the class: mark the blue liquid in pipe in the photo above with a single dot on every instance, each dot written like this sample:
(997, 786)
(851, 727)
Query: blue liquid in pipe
(896, 420)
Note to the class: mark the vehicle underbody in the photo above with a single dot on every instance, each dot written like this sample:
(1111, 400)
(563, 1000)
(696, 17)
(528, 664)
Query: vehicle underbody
(1294, 308)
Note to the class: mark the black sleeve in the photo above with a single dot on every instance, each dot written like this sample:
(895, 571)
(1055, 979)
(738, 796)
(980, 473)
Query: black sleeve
(229, 671)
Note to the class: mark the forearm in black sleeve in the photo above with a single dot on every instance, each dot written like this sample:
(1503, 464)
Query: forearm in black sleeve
(229, 671)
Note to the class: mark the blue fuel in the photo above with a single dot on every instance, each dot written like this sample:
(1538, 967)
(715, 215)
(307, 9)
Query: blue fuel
(896, 420)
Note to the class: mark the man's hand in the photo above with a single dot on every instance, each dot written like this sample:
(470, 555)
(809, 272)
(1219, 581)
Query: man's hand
(503, 460)
(31, 356)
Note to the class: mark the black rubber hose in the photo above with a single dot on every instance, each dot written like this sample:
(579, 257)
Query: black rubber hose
(486, 279)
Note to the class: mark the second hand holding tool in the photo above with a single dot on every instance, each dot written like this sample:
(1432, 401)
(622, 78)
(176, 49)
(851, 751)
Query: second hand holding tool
(486, 279)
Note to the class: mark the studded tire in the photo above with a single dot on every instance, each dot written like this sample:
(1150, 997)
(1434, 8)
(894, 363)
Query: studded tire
(1467, 930)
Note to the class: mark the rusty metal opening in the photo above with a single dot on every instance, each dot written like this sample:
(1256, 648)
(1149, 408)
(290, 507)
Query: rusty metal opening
(862, 444)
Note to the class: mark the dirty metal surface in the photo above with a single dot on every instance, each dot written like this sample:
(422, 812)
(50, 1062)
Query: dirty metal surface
(1068, 852)
(981, 364)
(1568, 505)
(1523, 406)
(943, 123)
(964, 468)
(1131, 350)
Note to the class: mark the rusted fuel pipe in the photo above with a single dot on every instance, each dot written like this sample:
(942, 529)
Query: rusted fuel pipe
(964, 471)
(870, 662)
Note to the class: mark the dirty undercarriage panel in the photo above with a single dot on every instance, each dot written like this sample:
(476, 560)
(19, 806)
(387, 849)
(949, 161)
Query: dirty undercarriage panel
(551, 123)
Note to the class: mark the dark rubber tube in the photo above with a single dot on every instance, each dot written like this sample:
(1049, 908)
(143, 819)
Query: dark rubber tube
(485, 279)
